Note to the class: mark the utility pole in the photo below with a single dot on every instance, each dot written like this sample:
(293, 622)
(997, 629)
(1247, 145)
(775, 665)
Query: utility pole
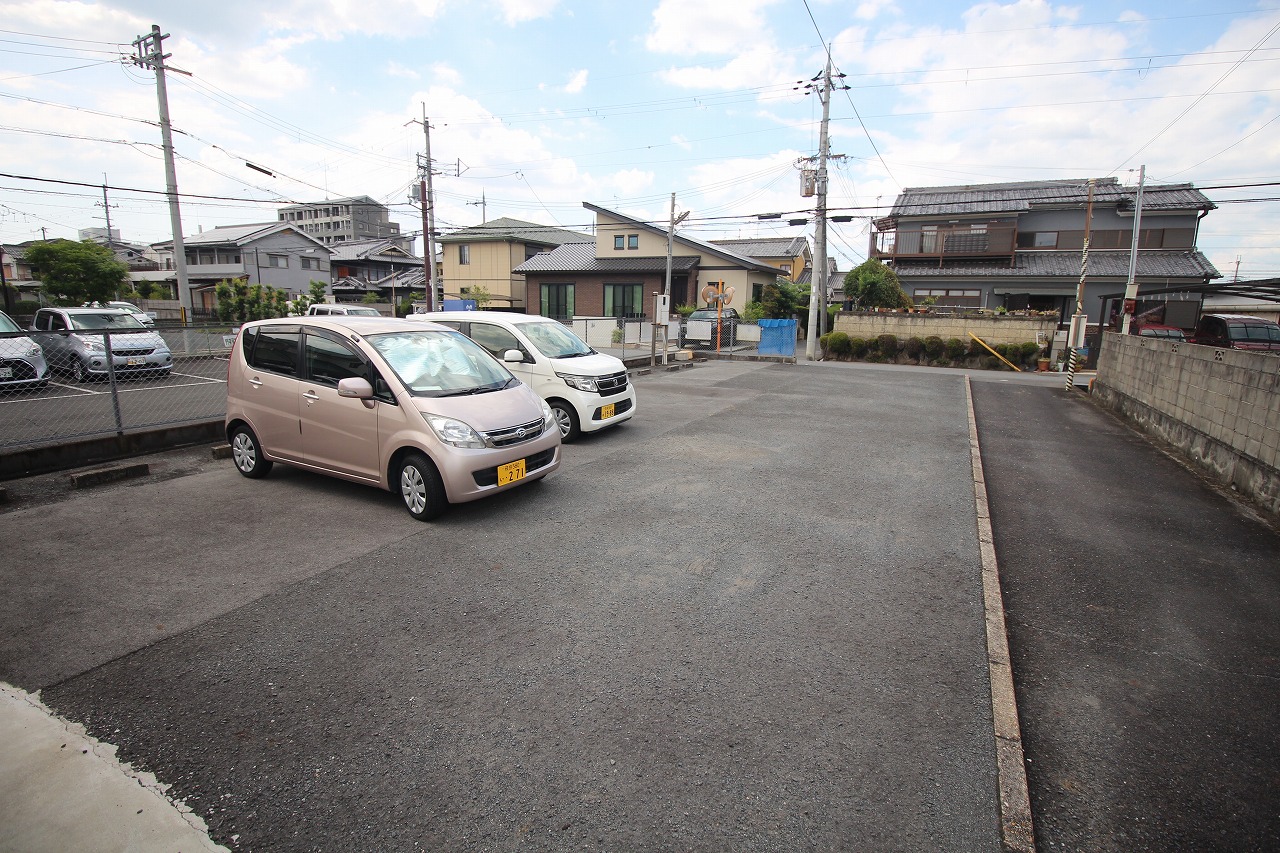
(106, 209)
(151, 55)
(665, 306)
(1131, 289)
(1075, 337)
(428, 212)
(818, 281)
(484, 214)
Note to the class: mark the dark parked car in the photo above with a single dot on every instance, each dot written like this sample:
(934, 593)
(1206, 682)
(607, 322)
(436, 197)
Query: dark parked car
(701, 329)
(1236, 331)
(1168, 333)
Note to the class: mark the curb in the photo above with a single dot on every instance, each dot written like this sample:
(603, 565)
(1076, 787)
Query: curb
(1016, 830)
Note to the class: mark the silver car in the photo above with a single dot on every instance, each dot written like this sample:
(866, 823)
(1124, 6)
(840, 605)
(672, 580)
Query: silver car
(22, 363)
(76, 343)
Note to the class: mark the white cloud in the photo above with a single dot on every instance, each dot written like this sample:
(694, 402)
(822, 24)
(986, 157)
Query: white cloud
(395, 69)
(519, 11)
(629, 182)
(723, 27)
(577, 82)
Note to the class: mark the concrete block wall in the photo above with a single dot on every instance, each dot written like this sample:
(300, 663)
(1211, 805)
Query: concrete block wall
(994, 329)
(1220, 407)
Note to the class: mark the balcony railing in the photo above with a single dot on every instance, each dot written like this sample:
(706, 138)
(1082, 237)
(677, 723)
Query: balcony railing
(947, 241)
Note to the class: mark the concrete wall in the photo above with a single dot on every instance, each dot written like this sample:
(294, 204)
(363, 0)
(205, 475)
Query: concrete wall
(994, 329)
(1220, 407)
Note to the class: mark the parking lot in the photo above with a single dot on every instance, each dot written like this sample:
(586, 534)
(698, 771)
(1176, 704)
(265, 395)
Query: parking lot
(749, 619)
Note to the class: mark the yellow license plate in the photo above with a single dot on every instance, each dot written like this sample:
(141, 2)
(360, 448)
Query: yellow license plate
(606, 412)
(511, 472)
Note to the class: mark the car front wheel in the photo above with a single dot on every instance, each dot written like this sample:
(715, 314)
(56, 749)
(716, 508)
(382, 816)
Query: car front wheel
(566, 419)
(420, 488)
(246, 452)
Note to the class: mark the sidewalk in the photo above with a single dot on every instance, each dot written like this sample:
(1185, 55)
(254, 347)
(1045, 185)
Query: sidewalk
(61, 790)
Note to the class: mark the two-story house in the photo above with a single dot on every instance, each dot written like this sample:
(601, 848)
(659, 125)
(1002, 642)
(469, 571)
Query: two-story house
(1020, 245)
(486, 257)
(269, 253)
(791, 255)
(382, 267)
(616, 273)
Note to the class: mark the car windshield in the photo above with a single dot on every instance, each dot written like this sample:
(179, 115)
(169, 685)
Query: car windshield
(554, 341)
(126, 306)
(7, 325)
(440, 364)
(362, 312)
(109, 320)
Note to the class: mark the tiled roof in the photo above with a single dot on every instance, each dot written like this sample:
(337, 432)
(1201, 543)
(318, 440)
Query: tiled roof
(581, 257)
(1023, 196)
(1151, 264)
(504, 229)
(766, 247)
(357, 250)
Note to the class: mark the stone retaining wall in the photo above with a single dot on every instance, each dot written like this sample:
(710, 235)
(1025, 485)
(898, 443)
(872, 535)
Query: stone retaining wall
(994, 329)
(1221, 408)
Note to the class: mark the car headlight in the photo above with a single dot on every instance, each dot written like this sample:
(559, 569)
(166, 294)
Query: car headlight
(33, 350)
(582, 383)
(548, 416)
(453, 431)
(92, 344)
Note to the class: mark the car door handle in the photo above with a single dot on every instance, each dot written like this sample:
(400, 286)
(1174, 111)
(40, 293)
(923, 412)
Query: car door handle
(310, 396)
(255, 382)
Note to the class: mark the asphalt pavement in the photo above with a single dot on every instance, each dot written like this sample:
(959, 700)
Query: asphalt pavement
(750, 619)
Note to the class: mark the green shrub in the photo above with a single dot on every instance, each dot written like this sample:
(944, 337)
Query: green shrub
(955, 348)
(1028, 351)
(887, 346)
(858, 347)
(914, 347)
(839, 344)
(753, 312)
(933, 346)
(873, 346)
(824, 344)
(992, 363)
(975, 348)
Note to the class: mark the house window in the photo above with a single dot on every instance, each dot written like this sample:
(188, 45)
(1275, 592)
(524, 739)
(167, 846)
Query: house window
(464, 255)
(619, 241)
(633, 241)
(557, 301)
(310, 264)
(278, 261)
(786, 268)
(1038, 240)
(949, 297)
(623, 300)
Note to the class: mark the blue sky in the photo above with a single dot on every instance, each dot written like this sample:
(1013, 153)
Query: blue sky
(540, 105)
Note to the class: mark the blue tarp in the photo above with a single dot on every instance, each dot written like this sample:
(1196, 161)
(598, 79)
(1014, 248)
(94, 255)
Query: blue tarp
(777, 337)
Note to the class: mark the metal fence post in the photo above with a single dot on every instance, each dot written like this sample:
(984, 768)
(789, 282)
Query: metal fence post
(111, 377)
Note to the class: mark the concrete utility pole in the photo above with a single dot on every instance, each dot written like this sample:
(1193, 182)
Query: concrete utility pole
(428, 213)
(818, 281)
(152, 56)
(106, 209)
(1131, 289)
(1079, 320)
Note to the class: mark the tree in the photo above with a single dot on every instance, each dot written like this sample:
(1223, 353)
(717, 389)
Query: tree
(73, 272)
(479, 293)
(871, 284)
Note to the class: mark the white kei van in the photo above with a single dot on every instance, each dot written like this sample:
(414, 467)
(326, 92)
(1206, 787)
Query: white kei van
(587, 390)
(327, 309)
(410, 407)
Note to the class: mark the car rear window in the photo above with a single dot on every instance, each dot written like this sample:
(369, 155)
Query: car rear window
(276, 349)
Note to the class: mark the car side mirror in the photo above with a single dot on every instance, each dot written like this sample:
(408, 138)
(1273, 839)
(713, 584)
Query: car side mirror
(357, 387)
(513, 355)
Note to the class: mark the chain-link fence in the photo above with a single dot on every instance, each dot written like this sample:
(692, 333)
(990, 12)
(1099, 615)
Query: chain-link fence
(57, 387)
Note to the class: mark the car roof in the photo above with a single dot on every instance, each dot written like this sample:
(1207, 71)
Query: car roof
(500, 316)
(85, 310)
(363, 325)
(1242, 318)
